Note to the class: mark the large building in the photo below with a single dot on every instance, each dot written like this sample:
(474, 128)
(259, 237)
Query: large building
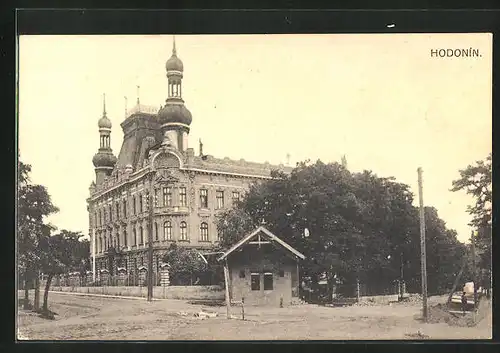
(188, 190)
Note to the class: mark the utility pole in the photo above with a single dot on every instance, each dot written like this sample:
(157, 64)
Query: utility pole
(150, 238)
(474, 276)
(422, 245)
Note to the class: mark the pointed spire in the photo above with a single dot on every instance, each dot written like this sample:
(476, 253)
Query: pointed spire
(201, 148)
(174, 50)
(104, 104)
(344, 161)
(125, 105)
(138, 101)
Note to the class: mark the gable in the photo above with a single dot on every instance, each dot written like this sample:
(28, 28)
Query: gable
(262, 236)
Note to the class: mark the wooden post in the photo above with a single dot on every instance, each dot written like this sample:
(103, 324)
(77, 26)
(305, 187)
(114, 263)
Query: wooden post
(243, 308)
(226, 282)
(422, 245)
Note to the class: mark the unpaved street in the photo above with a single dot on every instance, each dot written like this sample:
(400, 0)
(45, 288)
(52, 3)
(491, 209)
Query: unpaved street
(98, 318)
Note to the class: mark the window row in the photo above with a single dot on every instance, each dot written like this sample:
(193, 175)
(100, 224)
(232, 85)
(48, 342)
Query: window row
(140, 203)
(139, 236)
(219, 198)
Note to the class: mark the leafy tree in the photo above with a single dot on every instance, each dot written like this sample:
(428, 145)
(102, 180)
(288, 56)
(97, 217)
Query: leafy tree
(33, 206)
(184, 263)
(62, 253)
(476, 181)
(361, 226)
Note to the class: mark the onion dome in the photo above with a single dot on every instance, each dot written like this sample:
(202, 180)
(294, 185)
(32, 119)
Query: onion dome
(174, 63)
(104, 159)
(104, 123)
(175, 113)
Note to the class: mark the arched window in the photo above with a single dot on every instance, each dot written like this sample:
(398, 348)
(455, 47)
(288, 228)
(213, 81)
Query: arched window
(167, 230)
(134, 202)
(183, 228)
(204, 232)
(125, 208)
(141, 234)
(156, 231)
(140, 204)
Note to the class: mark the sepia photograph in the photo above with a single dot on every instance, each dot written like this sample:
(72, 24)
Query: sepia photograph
(254, 187)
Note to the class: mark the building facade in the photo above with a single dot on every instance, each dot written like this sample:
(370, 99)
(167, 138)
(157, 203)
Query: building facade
(265, 270)
(188, 190)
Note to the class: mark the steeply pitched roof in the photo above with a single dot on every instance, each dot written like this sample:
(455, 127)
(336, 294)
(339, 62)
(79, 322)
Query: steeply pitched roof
(267, 234)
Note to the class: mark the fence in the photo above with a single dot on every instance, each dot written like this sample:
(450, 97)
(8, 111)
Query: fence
(351, 292)
(134, 279)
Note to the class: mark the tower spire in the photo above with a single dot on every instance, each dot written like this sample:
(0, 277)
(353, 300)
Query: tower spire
(138, 101)
(174, 50)
(104, 104)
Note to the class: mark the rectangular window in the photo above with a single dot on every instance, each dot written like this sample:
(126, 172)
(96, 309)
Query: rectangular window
(268, 281)
(220, 199)
(117, 210)
(140, 204)
(255, 281)
(125, 208)
(135, 205)
(282, 273)
(236, 197)
(110, 214)
(182, 197)
(204, 198)
(156, 197)
(242, 274)
(167, 196)
(125, 237)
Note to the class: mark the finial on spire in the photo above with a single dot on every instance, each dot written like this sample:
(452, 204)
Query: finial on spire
(138, 101)
(125, 105)
(288, 159)
(201, 148)
(104, 104)
(174, 50)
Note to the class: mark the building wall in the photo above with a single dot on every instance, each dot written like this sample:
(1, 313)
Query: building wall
(260, 264)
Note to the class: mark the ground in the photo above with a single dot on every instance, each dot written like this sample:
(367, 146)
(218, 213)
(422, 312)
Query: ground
(82, 317)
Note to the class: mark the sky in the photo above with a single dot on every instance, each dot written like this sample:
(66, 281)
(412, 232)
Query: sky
(381, 100)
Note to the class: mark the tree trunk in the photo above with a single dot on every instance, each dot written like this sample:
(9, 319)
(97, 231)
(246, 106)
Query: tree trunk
(46, 293)
(26, 291)
(37, 293)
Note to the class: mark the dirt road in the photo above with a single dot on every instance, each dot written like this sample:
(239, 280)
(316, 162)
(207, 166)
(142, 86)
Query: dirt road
(99, 318)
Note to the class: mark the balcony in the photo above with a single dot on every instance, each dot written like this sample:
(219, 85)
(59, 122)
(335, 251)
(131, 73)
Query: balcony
(172, 210)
